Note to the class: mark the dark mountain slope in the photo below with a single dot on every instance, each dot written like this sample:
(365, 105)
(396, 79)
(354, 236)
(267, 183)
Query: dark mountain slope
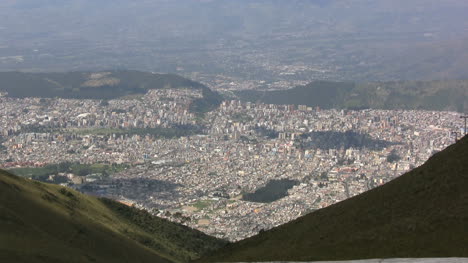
(324, 94)
(100, 85)
(49, 223)
(412, 95)
(423, 213)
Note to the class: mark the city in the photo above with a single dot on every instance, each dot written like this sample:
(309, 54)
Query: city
(198, 131)
(213, 171)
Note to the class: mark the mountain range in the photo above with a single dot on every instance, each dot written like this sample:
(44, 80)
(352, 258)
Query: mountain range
(438, 95)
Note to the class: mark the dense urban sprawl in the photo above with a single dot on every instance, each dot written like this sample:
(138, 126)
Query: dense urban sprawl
(199, 170)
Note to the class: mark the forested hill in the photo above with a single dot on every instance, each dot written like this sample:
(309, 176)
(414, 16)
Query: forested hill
(100, 85)
(411, 95)
(422, 214)
(51, 223)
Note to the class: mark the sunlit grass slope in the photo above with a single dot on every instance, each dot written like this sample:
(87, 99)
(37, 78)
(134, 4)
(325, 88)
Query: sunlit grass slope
(423, 213)
(49, 223)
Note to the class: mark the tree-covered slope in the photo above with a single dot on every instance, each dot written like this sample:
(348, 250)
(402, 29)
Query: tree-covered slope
(324, 94)
(423, 213)
(49, 223)
(416, 95)
(100, 85)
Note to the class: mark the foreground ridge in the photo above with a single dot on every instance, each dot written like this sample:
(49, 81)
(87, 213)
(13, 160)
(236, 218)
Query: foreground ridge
(422, 214)
(50, 223)
(394, 260)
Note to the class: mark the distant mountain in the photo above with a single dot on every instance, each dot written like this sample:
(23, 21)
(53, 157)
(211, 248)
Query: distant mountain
(100, 85)
(50, 223)
(423, 213)
(417, 95)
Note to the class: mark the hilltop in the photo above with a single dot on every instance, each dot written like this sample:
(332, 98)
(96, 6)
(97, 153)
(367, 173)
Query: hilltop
(50, 223)
(410, 95)
(100, 85)
(423, 213)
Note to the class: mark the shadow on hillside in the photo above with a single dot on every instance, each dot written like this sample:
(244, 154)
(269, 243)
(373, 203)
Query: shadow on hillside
(325, 140)
(132, 188)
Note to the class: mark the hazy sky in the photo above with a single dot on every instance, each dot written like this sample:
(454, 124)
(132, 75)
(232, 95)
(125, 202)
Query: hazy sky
(168, 34)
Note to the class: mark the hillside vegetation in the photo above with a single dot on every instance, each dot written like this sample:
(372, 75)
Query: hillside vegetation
(49, 223)
(422, 214)
(411, 95)
(100, 85)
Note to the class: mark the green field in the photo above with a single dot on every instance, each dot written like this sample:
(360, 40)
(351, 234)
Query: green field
(42, 173)
(202, 204)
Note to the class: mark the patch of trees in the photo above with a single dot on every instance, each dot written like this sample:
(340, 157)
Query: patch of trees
(273, 191)
(393, 157)
(269, 133)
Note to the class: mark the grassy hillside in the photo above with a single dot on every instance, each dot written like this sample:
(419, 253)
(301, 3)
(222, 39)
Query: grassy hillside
(49, 223)
(99, 85)
(428, 95)
(423, 213)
